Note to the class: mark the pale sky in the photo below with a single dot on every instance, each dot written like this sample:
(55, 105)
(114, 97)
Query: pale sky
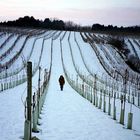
(84, 12)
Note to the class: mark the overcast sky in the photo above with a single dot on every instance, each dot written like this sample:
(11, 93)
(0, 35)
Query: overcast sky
(84, 12)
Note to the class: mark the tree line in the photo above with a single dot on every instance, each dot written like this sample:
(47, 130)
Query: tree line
(31, 22)
(110, 28)
(57, 24)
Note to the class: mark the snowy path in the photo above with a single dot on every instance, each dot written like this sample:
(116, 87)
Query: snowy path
(68, 116)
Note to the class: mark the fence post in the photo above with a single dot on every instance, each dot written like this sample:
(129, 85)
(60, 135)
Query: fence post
(91, 95)
(109, 105)
(138, 87)
(104, 108)
(113, 86)
(29, 95)
(96, 101)
(122, 112)
(94, 90)
(27, 130)
(118, 96)
(4, 86)
(38, 97)
(35, 116)
(138, 97)
(133, 99)
(1, 86)
(130, 118)
(114, 110)
(100, 104)
(125, 91)
(128, 98)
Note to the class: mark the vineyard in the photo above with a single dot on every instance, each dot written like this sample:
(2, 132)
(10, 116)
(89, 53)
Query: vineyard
(101, 96)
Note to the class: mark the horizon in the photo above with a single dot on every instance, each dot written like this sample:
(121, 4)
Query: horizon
(114, 12)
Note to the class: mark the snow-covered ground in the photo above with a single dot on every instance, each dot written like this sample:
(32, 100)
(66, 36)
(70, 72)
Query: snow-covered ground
(66, 115)
(3, 38)
(8, 45)
(137, 47)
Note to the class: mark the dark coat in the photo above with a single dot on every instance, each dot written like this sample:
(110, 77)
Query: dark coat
(61, 80)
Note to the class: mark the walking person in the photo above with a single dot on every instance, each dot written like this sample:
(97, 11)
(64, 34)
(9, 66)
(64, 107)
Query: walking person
(61, 82)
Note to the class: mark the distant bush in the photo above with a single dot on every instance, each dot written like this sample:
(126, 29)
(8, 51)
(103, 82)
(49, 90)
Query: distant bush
(120, 45)
(131, 60)
(117, 43)
(134, 63)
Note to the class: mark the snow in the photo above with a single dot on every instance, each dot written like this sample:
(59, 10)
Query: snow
(3, 38)
(35, 55)
(12, 113)
(89, 55)
(25, 53)
(68, 59)
(129, 47)
(66, 115)
(9, 44)
(137, 48)
(13, 52)
(76, 54)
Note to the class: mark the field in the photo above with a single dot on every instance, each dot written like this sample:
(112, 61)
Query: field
(101, 96)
